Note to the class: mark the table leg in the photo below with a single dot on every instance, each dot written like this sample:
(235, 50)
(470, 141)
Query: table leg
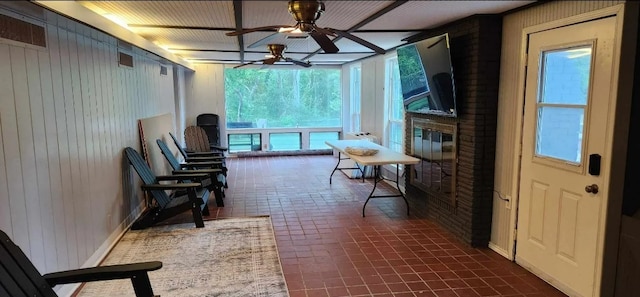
(336, 168)
(376, 169)
(340, 158)
(398, 187)
(377, 176)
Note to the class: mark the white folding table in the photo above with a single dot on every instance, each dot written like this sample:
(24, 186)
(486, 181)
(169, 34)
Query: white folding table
(384, 156)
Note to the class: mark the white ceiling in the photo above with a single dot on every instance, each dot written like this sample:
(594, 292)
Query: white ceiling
(195, 30)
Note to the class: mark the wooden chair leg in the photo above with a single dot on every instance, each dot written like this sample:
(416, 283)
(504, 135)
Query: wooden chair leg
(197, 215)
(217, 191)
(205, 210)
(142, 285)
(196, 210)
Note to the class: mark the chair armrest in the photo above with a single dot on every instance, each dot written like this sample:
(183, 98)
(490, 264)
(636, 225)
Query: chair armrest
(217, 147)
(180, 177)
(202, 162)
(205, 154)
(197, 171)
(101, 273)
(171, 186)
(205, 159)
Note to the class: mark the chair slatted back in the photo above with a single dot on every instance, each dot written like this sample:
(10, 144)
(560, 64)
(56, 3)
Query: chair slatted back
(180, 149)
(146, 175)
(196, 139)
(175, 164)
(18, 276)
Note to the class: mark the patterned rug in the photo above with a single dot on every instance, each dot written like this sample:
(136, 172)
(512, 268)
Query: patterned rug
(228, 257)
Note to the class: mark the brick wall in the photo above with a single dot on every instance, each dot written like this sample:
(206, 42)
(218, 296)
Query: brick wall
(475, 53)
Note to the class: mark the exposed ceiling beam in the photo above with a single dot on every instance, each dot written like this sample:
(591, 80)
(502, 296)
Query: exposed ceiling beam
(359, 25)
(237, 10)
(255, 52)
(321, 63)
(152, 26)
(181, 27)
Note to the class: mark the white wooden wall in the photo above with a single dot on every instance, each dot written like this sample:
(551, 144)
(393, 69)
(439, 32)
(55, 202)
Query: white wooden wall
(66, 114)
(205, 93)
(509, 106)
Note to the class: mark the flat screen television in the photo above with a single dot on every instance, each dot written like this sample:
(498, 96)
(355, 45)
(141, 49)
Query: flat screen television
(426, 76)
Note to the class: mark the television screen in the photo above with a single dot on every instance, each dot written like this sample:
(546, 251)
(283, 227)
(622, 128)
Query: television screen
(426, 76)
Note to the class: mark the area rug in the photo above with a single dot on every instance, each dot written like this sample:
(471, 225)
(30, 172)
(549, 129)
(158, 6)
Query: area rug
(228, 257)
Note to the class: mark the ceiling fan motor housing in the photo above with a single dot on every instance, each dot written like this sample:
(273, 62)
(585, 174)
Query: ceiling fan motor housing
(276, 49)
(306, 13)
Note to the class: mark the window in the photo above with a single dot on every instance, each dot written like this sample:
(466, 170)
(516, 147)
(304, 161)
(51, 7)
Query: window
(283, 98)
(562, 102)
(285, 141)
(393, 100)
(355, 96)
(244, 142)
(317, 139)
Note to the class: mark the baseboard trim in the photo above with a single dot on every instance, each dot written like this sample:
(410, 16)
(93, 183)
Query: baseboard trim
(101, 253)
(283, 153)
(502, 252)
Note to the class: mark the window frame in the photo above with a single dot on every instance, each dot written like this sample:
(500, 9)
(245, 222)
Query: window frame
(390, 120)
(355, 97)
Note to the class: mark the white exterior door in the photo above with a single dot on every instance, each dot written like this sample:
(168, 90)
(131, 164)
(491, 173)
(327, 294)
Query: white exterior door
(562, 200)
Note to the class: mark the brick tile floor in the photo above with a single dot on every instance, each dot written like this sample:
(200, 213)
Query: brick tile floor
(328, 249)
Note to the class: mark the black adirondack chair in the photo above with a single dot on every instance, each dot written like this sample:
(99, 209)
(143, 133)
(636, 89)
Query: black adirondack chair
(213, 159)
(187, 195)
(18, 276)
(216, 176)
(197, 156)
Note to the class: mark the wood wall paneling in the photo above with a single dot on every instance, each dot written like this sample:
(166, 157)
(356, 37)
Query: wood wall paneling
(59, 177)
(11, 148)
(66, 113)
(27, 154)
(5, 208)
(52, 214)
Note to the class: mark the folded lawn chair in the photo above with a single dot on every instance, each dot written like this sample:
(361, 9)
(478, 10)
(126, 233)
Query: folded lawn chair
(212, 158)
(216, 176)
(187, 195)
(190, 156)
(18, 276)
(196, 139)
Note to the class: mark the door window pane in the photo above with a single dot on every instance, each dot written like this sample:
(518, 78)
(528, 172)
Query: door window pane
(560, 133)
(566, 76)
(562, 101)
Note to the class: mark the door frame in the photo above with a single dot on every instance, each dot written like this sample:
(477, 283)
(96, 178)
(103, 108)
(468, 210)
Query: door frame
(617, 134)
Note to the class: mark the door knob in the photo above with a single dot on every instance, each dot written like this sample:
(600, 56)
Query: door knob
(591, 189)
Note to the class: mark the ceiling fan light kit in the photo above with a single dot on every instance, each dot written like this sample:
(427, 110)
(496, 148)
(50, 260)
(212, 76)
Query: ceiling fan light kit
(306, 13)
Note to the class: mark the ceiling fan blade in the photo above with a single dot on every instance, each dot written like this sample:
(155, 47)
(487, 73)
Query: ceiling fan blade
(245, 64)
(297, 62)
(270, 61)
(325, 43)
(245, 31)
(263, 41)
(359, 40)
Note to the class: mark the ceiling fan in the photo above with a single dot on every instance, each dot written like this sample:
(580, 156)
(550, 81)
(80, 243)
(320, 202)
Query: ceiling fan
(306, 13)
(277, 51)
